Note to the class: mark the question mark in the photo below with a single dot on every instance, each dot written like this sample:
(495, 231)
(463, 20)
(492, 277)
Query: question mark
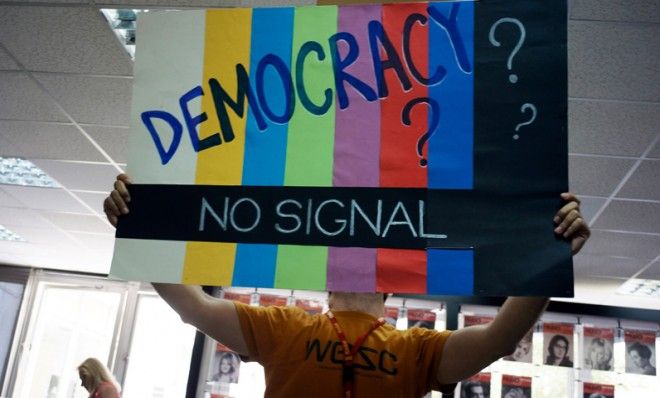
(435, 120)
(491, 36)
(523, 109)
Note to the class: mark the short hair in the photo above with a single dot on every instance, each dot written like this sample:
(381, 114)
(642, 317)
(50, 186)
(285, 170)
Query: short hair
(95, 373)
(641, 349)
(385, 295)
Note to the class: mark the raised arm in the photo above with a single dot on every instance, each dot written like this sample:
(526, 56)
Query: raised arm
(471, 349)
(215, 317)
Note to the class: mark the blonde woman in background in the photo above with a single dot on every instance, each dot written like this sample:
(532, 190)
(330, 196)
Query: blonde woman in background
(96, 379)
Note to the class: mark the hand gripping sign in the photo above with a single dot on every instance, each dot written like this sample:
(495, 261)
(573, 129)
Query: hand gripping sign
(414, 148)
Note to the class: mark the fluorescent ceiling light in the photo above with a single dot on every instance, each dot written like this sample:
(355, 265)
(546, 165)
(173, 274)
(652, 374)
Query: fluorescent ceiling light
(17, 171)
(123, 23)
(640, 287)
(10, 236)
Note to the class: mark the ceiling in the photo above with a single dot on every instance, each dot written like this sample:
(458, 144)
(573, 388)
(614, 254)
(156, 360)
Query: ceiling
(65, 94)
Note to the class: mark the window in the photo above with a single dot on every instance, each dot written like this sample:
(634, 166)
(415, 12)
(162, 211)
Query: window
(160, 351)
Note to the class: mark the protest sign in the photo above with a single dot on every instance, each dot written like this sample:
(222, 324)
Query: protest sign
(417, 148)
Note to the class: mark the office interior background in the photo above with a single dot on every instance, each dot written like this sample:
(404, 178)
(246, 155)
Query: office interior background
(65, 93)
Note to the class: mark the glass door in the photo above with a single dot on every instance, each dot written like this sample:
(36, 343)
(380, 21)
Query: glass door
(72, 319)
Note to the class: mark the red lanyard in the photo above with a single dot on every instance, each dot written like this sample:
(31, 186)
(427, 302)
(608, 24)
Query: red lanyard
(347, 374)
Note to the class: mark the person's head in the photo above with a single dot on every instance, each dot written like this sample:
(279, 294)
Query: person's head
(558, 347)
(373, 303)
(473, 389)
(92, 373)
(600, 352)
(640, 354)
(227, 363)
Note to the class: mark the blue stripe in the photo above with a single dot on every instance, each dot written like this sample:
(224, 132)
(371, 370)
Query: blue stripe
(450, 164)
(450, 271)
(451, 147)
(265, 151)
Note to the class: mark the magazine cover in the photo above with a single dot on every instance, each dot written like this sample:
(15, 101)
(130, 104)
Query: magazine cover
(516, 386)
(266, 300)
(391, 315)
(225, 366)
(477, 386)
(598, 348)
(469, 320)
(558, 344)
(421, 318)
(310, 306)
(593, 390)
(640, 352)
(523, 352)
(241, 298)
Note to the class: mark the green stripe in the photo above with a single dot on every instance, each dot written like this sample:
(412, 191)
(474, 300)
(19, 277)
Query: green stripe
(311, 137)
(310, 144)
(301, 267)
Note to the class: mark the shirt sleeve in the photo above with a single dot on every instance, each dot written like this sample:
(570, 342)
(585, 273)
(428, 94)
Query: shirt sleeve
(430, 352)
(265, 329)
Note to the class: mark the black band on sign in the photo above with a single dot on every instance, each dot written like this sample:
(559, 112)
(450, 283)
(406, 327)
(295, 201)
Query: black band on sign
(362, 217)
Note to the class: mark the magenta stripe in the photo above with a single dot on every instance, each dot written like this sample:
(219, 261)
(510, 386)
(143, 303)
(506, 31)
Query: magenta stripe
(357, 127)
(351, 269)
(357, 151)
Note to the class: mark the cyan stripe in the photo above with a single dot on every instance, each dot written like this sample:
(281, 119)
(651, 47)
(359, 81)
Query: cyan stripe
(265, 151)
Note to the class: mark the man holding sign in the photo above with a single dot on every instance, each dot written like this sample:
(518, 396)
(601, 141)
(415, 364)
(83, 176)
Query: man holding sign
(306, 355)
(373, 148)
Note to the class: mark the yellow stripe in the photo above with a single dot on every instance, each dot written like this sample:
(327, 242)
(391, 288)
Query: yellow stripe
(227, 43)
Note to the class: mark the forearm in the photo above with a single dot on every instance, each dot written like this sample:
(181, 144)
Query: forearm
(186, 300)
(514, 320)
(215, 317)
(471, 349)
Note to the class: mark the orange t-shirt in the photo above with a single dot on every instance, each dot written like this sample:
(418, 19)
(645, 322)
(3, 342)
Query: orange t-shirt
(302, 355)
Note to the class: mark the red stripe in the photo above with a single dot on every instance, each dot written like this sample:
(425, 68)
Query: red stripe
(399, 161)
(403, 270)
